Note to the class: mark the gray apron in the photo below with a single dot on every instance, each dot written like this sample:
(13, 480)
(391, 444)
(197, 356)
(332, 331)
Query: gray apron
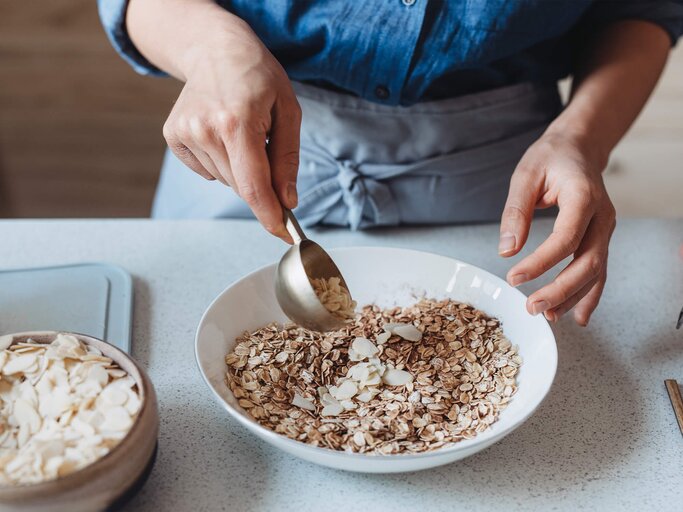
(365, 164)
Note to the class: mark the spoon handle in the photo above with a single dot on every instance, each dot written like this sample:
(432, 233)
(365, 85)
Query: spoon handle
(293, 227)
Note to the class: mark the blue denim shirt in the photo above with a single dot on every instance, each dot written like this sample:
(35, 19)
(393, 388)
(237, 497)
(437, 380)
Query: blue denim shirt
(405, 51)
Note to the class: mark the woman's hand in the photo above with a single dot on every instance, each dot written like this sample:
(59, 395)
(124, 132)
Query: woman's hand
(615, 74)
(236, 96)
(560, 169)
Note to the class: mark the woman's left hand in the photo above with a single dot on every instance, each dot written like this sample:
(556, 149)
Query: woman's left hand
(560, 169)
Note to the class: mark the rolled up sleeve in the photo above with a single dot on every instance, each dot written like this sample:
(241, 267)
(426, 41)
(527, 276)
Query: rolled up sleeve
(668, 14)
(113, 16)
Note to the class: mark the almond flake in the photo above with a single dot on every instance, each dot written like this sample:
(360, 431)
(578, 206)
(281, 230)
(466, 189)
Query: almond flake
(408, 332)
(300, 401)
(364, 347)
(394, 377)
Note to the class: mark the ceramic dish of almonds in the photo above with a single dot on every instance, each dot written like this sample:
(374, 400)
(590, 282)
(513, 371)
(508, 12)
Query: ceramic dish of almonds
(63, 405)
(435, 365)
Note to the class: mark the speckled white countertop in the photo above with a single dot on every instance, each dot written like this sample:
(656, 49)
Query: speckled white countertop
(604, 439)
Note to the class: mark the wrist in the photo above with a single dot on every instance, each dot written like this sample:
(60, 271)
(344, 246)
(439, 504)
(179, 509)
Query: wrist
(214, 34)
(584, 137)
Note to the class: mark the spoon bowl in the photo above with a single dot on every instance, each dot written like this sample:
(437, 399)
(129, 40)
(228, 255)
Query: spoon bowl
(302, 262)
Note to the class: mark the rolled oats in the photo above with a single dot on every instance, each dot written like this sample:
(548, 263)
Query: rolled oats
(399, 380)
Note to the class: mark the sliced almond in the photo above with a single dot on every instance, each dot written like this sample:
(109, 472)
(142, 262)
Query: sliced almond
(364, 347)
(383, 337)
(6, 341)
(303, 403)
(394, 377)
(345, 390)
(408, 332)
(19, 364)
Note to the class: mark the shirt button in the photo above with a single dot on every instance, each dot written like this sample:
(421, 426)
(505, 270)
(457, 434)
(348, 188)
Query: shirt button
(408, 3)
(382, 92)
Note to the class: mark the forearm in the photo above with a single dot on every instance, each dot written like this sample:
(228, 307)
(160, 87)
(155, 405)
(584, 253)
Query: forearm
(174, 34)
(616, 74)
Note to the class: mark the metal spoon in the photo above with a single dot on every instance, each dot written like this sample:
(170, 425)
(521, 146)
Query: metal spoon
(293, 288)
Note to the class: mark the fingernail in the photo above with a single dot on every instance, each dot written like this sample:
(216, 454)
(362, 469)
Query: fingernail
(582, 321)
(518, 279)
(550, 316)
(507, 243)
(292, 197)
(539, 307)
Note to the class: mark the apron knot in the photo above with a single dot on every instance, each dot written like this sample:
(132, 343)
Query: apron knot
(354, 192)
(367, 201)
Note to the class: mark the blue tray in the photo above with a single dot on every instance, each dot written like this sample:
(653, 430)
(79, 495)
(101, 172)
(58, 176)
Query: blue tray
(90, 298)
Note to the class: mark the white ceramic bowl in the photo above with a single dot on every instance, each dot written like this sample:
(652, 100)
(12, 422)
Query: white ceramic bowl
(387, 277)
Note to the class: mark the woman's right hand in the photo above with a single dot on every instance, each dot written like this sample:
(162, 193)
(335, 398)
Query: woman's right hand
(236, 96)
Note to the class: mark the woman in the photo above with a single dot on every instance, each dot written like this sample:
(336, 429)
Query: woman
(413, 112)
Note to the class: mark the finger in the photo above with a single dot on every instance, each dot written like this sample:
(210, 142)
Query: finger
(570, 227)
(553, 315)
(186, 156)
(584, 309)
(587, 265)
(208, 163)
(203, 140)
(283, 152)
(221, 164)
(250, 168)
(518, 212)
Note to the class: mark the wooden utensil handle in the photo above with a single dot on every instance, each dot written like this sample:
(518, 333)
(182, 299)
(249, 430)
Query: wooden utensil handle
(676, 400)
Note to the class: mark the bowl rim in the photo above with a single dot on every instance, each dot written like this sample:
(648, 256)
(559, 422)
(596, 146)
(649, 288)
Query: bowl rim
(146, 392)
(270, 435)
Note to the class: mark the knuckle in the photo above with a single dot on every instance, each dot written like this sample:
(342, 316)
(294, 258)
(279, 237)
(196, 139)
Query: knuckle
(271, 228)
(594, 264)
(611, 212)
(561, 295)
(250, 194)
(199, 128)
(584, 197)
(289, 162)
(168, 131)
(295, 112)
(559, 292)
(514, 213)
(570, 241)
(539, 265)
(227, 123)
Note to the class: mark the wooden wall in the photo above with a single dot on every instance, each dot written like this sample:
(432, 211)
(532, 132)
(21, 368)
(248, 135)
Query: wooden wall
(80, 132)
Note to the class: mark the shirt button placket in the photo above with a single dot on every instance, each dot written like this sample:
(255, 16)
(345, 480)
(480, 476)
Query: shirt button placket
(408, 3)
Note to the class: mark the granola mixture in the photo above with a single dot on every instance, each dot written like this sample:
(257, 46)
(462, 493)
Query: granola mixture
(400, 380)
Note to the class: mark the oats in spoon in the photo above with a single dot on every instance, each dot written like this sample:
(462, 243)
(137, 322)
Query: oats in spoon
(335, 297)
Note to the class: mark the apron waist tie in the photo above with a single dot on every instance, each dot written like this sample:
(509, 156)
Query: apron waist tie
(361, 193)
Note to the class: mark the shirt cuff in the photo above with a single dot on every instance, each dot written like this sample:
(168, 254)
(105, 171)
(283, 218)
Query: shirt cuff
(113, 17)
(668, 14)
